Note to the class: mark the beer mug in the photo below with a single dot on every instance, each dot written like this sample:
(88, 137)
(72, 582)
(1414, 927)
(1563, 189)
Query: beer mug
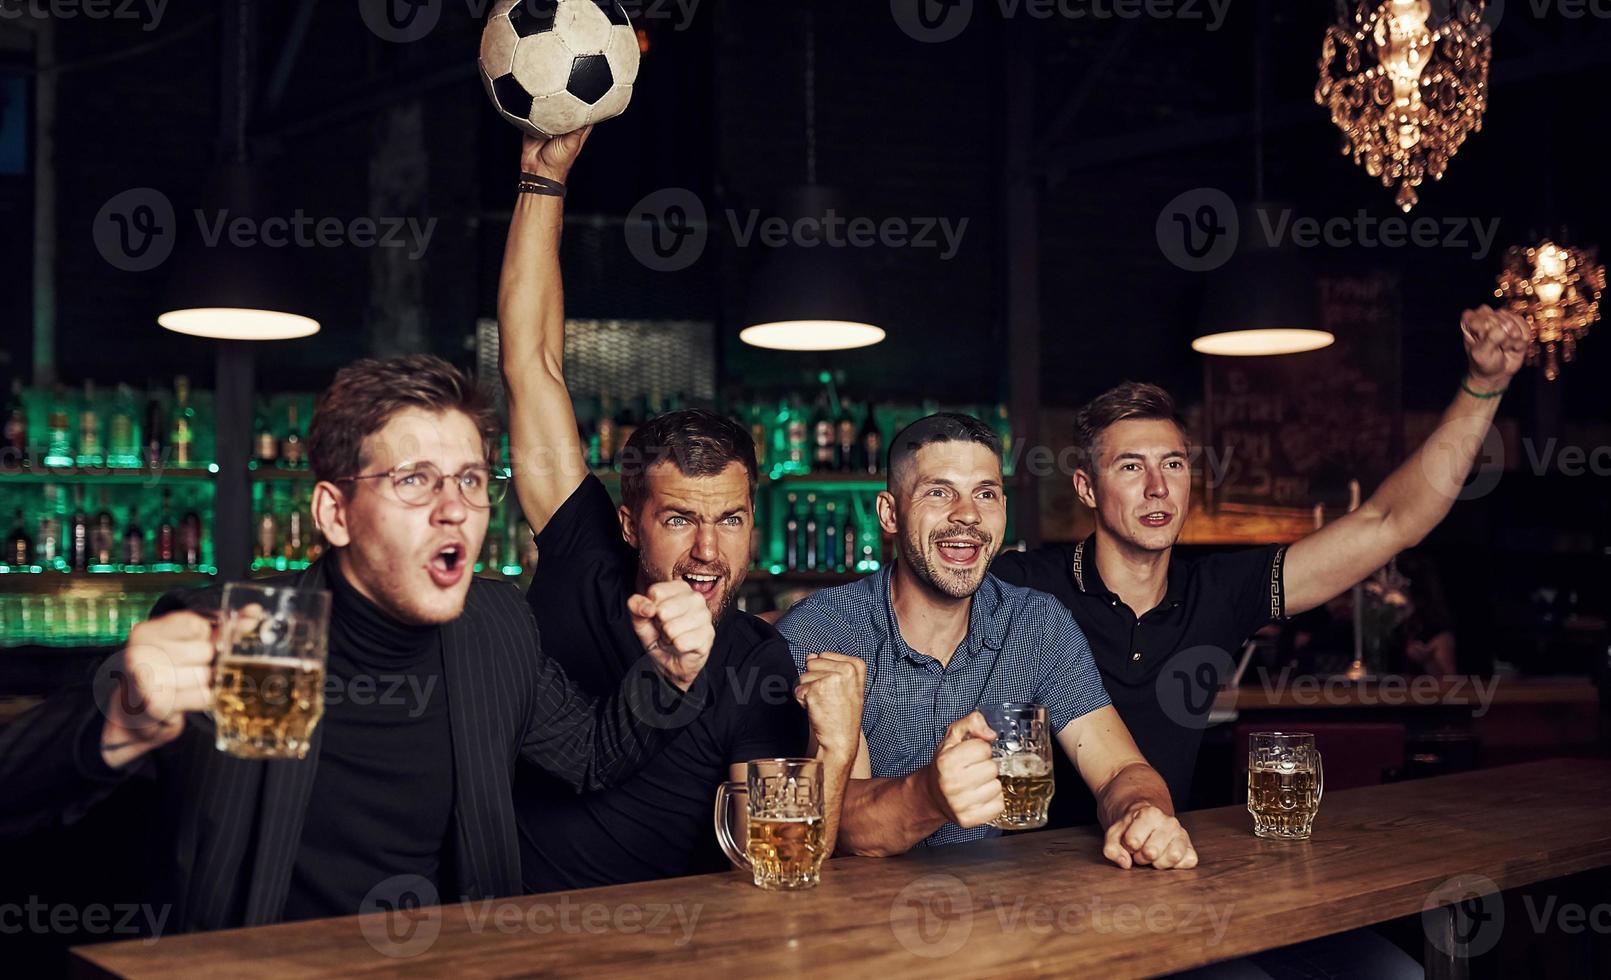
(785, 848)
(1023, 755)
(268, 677)
(1284, 782)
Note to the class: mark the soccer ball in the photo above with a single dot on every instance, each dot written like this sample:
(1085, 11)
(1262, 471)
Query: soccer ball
(552, 67)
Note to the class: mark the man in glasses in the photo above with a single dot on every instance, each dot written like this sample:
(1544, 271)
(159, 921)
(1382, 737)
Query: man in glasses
(684, 520)
(437, 682)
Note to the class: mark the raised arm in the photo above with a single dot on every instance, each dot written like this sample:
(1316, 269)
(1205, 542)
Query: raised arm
(546, 452)
(1417, 495)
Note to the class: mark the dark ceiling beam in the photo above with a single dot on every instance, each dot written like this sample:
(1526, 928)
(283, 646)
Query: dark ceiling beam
(1589, 50)
(1075, 103)
(280, 77)
(372, 95)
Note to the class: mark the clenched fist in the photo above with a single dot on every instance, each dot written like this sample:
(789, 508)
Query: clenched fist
(166, 671)
(1147, 835)
(673, 623)
(1496, 345)
(962, 777)
(831, 691)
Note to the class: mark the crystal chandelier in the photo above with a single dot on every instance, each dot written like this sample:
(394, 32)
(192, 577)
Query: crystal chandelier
(1404, 95)
(1556, 289)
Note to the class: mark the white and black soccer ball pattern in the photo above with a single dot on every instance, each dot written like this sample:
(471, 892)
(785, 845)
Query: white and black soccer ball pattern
(552, 67)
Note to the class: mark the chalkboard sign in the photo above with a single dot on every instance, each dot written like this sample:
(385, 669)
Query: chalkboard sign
(1287, 430)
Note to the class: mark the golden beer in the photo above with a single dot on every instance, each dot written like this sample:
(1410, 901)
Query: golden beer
(268, 680)
(1026, 783)
(785, 836)
(787, 852)
(267, 707)
(1023, 754)
(1284, 784)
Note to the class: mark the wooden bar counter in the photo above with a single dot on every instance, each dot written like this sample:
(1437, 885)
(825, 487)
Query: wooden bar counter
(1038, 904)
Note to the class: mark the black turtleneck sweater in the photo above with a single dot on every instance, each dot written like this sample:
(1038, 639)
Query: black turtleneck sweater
(382, 801)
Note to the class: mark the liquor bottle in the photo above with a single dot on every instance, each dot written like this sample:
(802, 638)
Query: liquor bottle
(757, 419)
(90, 452)
(122, 445)
(528, 547)
(795, 439)
(291, 449)
(154, 434)
(847, 542)
(626, 425)
(183, 415)
(871, 443)
(190, 539)
(49, 546)
(268, 446)
(295, 543)
(791, 536)
(167, 540)
(59, 432)
(103, 534)
(1004, 430)
(133, 542)
(830, 540)
(19, 547)
(809, 550)
(78, 535)
(607, 434)
(845, 450)
(268, 529)
(14, 442)
(822, 437)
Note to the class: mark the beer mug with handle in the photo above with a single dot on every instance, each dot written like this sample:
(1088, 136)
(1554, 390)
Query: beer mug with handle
(784, 841)
(1284, 783)
(268, 678)
(1023, 756)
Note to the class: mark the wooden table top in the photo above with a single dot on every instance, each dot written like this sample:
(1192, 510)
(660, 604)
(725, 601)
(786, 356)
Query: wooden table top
(1039, 904)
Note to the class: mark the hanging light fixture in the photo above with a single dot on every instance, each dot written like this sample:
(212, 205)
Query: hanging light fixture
(809, 298)
(1405, 95)
(1556, 289)
(1261, 303)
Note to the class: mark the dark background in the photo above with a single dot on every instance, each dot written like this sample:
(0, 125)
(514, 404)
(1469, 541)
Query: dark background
(1129, 113)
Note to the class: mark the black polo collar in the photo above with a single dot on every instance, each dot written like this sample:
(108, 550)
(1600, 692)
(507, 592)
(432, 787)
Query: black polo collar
(1088, 579)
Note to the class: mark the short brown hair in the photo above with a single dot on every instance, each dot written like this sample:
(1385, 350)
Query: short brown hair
(1122, 403)
(698, 442)
(366, 394)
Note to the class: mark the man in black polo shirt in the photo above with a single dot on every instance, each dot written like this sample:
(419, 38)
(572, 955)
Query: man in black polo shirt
(688, 486)
(1163, 632)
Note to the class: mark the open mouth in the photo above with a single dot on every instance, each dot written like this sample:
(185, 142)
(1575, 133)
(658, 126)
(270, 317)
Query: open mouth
(959, 551)
(1157, 518)
(448, 565)
(702, 583)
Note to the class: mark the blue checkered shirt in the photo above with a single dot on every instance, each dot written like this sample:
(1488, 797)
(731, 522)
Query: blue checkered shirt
(1021, 645)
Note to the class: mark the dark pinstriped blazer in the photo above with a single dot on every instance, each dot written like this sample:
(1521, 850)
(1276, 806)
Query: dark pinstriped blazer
(231, 827)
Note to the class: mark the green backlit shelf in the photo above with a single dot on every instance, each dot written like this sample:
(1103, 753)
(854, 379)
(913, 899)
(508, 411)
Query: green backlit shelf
(100, 583)
(107, 476)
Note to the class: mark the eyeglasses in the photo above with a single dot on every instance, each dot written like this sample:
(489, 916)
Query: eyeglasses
(418, 484)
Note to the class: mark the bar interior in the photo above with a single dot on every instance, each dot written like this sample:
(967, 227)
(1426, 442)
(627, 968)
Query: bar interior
(991, 453)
